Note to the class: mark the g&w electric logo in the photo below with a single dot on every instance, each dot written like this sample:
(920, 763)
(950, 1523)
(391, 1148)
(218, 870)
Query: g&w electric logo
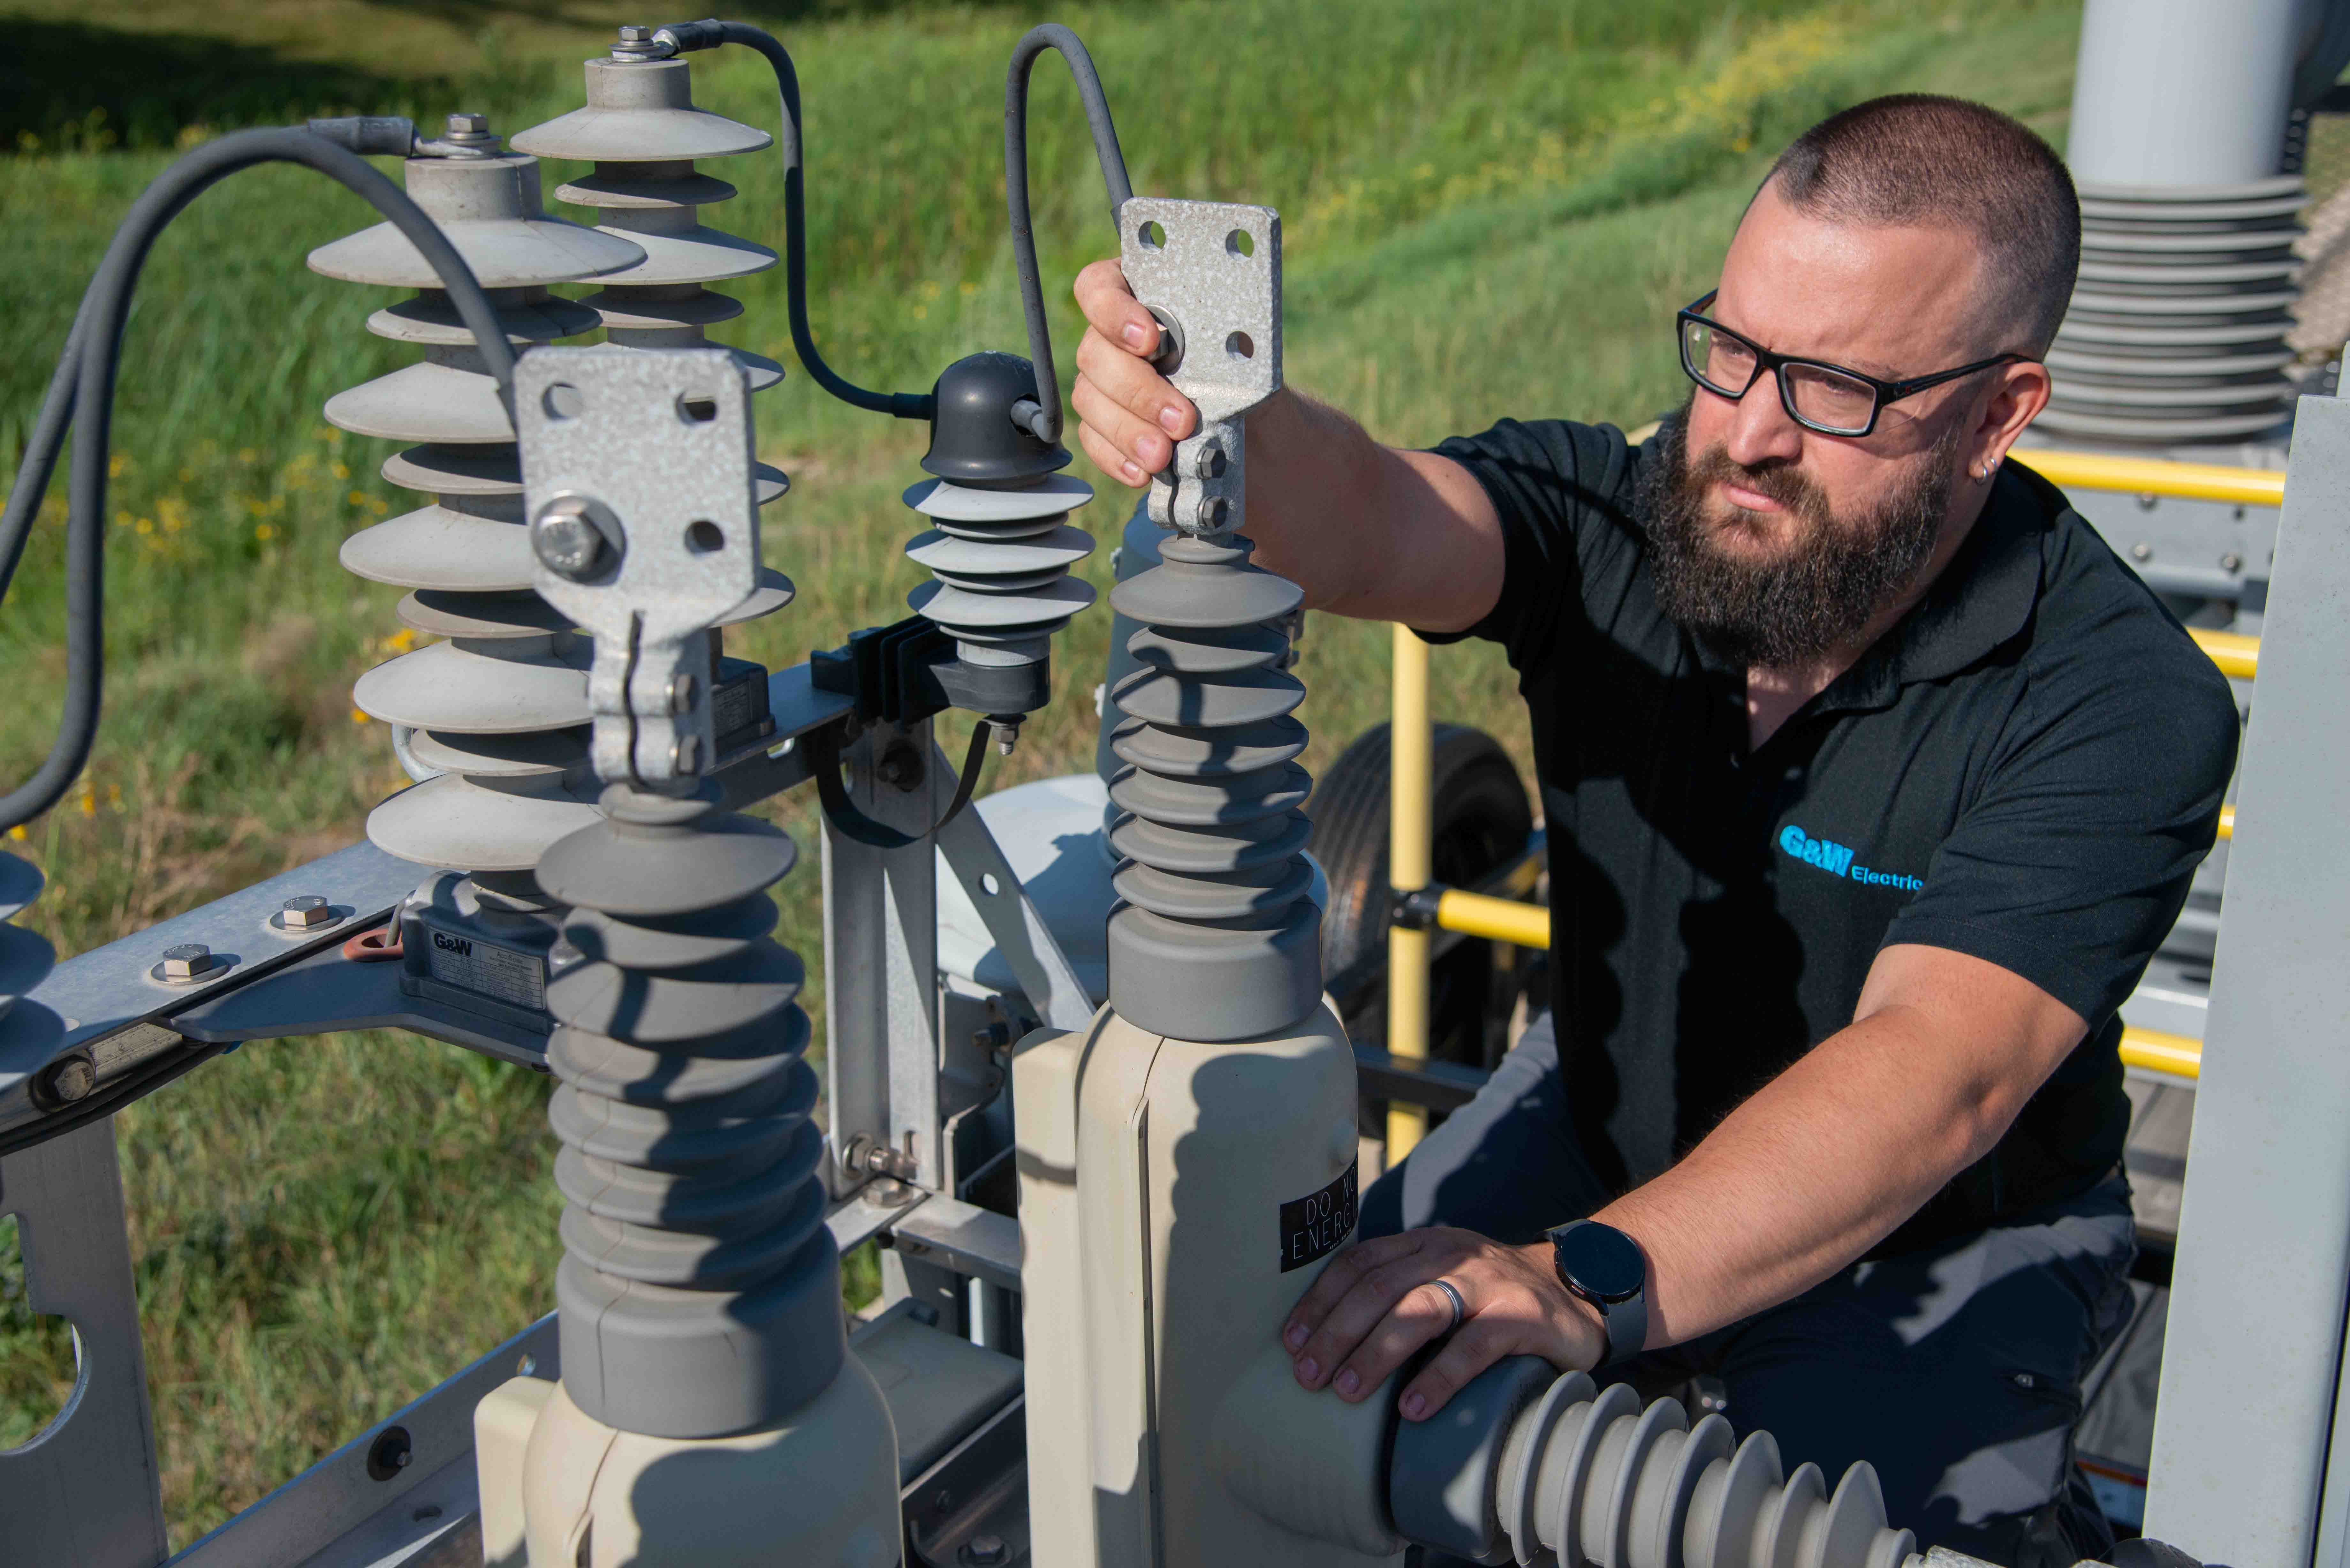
(1835, 859)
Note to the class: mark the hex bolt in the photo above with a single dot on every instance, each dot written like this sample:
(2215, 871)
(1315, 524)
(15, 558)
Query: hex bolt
(468, 124)
(305, 912)
(572, 537)
(63, 1083)
(686, 755)
(899, 767)
(1213, 514)
(1211, 462)
(630, 35)
(683, 689)
(2141, 552)
(391, 1453)
(984, 1550)
(184, 964)
(2232, 562)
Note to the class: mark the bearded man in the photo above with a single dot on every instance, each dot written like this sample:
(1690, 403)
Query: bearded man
(1872, 780)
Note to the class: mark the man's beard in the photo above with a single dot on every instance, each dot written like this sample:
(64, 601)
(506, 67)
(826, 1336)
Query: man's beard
(1814, 596)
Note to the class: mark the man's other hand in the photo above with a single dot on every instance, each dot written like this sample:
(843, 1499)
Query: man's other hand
(1130, 416)
(1374, 1306)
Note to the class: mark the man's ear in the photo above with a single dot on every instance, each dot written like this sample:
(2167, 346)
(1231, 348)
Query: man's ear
(2017, 393)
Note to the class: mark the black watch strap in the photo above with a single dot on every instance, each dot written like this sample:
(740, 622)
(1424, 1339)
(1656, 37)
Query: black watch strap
(1602, 1265)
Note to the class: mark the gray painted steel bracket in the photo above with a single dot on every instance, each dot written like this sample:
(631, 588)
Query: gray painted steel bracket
(85, 1493)
(652, 447)
(1045, 975)
(1212, 275)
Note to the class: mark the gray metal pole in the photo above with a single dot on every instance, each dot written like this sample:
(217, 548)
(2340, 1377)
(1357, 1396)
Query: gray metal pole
(2250, 1363)
(2175, 93)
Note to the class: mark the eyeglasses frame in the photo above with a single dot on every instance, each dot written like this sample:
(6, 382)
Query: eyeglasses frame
(1775, 366)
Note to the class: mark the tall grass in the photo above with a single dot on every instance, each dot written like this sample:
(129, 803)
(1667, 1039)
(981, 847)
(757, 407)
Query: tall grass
(1486, 212)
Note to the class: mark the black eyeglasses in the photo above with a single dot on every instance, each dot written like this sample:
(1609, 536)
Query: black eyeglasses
(1830, 399)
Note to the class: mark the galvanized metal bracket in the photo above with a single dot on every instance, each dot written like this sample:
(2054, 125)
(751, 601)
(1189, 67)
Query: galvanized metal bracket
(1210, 272)
(638, 481)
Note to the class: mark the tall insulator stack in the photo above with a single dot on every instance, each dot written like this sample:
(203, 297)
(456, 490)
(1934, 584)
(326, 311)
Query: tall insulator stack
(1217, 939)
(25, 957)
(1000, 544)
(499, 710)
(700, 1289)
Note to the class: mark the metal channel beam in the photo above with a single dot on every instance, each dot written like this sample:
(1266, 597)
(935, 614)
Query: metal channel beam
(2251, 1361)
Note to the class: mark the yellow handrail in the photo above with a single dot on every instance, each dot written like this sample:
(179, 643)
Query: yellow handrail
(1411, 833)
(2237, 655)
(2157, 476)
(2179, 1056)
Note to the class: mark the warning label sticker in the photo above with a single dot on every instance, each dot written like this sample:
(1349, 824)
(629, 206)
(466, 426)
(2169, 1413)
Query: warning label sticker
(509, 975)
(1313, 1226)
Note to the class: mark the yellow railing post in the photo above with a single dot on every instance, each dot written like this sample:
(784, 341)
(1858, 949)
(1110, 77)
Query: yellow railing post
(1411, 829)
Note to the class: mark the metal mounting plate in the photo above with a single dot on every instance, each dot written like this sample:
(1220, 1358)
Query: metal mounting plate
(1212, 270)
(658, 444)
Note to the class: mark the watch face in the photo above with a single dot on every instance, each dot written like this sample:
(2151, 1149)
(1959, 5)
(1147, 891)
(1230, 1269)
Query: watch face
(1601, 1260)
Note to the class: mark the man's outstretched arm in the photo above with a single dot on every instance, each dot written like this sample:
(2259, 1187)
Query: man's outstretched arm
(1819, 1165)
(1365, 530)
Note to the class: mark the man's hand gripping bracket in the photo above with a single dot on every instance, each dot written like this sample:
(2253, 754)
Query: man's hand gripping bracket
(636, 480)
(1210, 272)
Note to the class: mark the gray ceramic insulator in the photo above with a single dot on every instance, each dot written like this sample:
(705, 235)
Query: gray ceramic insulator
(641, 130)
(700, 1292)
(24, 956)
(1523, 1462)
(999, 560)
(1215, 939)
(2176, 334)
(499, 709)
(2178, 325)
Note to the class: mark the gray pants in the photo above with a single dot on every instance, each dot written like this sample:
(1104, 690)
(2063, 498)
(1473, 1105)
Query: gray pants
(1955, 1370)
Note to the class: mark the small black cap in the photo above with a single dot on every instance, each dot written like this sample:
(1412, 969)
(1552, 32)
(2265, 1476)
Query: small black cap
(972, 438)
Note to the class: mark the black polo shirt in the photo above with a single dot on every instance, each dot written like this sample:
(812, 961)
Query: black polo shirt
(2027, 768)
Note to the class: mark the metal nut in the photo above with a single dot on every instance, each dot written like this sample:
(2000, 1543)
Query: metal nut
(1211, 462)
(984, 1550)
(686, 755)
(575, 536)
(66, 1082)
(188, 961)
(683, 691)
(636, 35)
(468, 124)
(306, 912)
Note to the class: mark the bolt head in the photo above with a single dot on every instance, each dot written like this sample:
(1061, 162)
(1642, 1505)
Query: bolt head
(302, 913)
(186, 962)
(1211, 462)
(2230, 562)
(70, 1080)
(2141, 552)
(687, 754)
(566, 539)
(636, 35)
(468, 124)
(983, 1550)
(683, 691)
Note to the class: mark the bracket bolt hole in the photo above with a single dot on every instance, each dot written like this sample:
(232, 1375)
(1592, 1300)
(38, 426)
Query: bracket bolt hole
(1151, 237)
(562, 402)
(1241, 346)
(1240, 243)
(704, 537)
(696, 411)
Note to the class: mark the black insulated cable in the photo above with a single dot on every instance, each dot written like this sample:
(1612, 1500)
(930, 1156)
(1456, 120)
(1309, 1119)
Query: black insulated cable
(1044, 423)
(686, 38)
(92, 356)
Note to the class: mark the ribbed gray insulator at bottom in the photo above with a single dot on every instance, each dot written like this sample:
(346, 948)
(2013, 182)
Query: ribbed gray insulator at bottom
(1216, 939)
(1523, 1463)
(700, 1292)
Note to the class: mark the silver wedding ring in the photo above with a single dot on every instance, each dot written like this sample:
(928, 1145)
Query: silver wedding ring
(1460, 1307)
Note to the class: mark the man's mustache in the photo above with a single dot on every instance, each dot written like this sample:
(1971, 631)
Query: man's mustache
(1781, 481)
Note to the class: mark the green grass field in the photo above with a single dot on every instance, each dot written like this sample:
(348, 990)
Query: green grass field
(1486, 212)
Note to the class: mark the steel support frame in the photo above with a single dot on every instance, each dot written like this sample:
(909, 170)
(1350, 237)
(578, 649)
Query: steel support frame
(2245, 1469)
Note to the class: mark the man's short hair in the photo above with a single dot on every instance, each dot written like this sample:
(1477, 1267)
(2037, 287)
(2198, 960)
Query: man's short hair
(1921, 159)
